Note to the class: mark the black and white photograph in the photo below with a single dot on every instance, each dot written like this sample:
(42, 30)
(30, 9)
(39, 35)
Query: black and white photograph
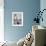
(17, 18)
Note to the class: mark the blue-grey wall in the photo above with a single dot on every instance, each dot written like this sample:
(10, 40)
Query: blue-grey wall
(43, 6)
(28, 7)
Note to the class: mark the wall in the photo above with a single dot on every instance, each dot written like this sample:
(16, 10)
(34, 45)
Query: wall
(43, 6)
(28, 7)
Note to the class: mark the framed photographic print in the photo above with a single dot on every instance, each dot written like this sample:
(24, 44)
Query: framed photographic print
(17, 18)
